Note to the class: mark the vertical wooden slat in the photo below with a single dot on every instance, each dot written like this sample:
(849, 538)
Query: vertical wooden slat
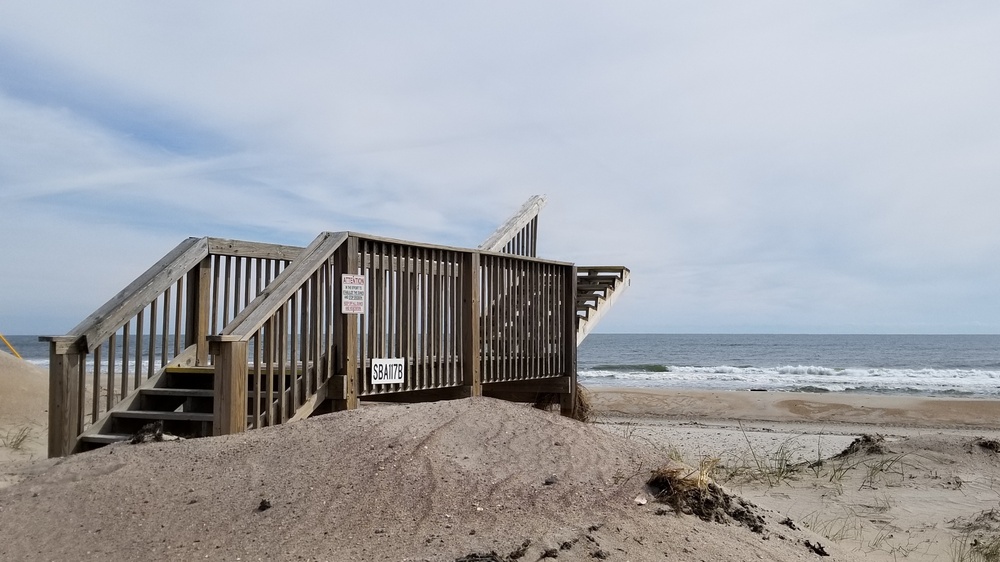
(110, 386)
(178, 315)
(406, 307)
(282, 362)
(247, 281)
(213, 323)
(397, 305)
(305, 337)
(318, 332)
(568, 400)
(549, 318)
(198, 309)
(422, 279)
(469, 323)
(237, 287)
(81, 396)
(293, 350)
(257, 380)
(226, 290)
(137, 368)
(454, 305)
(269, 352)
(96, 386)
(125, 361)
(151, 353)
(165, 330)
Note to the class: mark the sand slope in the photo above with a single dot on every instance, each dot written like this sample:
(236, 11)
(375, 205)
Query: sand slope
(24, 402)
(436, 481)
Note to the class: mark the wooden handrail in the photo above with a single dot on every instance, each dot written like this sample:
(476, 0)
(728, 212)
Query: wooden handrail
(97, 327)
(249, 321)
(525, 216)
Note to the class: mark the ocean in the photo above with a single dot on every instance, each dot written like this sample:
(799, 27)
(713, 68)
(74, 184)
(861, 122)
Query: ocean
(930, 365)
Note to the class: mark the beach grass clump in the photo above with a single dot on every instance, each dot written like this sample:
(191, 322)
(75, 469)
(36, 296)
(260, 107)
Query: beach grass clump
(771, 468)
(16, 438)
(889, 470)
(583, 403)
(970, 547)
(978, 539)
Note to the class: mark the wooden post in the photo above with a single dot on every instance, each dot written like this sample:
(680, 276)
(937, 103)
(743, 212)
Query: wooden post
(64, 397)
(199, 299)
(471, 331)
(230, 387)
(345, 328)
(567, 401)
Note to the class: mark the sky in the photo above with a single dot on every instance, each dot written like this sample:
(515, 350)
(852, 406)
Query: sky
(761, 167)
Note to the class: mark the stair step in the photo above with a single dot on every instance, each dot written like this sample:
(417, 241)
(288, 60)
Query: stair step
(154, 415)
(183, 392)
(106, 438)
(203, 370)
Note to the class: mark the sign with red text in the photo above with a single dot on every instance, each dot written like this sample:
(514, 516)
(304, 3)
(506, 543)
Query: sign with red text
(354, 294)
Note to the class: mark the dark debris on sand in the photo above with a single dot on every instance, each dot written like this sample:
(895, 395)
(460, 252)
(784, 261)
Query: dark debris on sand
(866, 445)
(706, 500)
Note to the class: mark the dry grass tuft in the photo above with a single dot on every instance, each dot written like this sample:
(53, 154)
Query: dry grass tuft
(583, 409)
(15, 438)
(583, 406)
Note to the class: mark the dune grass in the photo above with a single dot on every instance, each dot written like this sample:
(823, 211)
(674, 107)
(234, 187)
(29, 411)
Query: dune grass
(15, 438)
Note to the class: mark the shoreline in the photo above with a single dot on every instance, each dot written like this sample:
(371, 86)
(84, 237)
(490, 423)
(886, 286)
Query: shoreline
(927, 412)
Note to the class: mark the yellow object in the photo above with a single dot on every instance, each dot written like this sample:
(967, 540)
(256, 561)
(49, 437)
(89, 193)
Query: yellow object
(16, 354)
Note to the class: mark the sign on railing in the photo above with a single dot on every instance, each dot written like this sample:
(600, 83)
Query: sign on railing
(354, 288)
(388, 371)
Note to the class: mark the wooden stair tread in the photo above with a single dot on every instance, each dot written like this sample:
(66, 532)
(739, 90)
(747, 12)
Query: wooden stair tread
(155, 415)
(192, 392)
(204, 370)
(106, 438)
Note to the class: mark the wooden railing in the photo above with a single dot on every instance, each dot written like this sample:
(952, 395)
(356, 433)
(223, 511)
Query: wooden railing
(271, 321)
(164, 316)
(519, 235)
(527, 306)
(457, 319)
(279, 351)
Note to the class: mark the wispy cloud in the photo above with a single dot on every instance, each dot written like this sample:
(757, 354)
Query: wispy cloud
(775, 167)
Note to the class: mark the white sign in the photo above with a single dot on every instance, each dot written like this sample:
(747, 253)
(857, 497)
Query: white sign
(354, 289)
(388, 371)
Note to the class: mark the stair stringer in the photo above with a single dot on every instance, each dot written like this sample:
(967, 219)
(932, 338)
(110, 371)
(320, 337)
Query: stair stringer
(586, 324)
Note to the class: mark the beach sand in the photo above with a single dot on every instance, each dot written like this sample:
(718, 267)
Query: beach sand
(446, 480)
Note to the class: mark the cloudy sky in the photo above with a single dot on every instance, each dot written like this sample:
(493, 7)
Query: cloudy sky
(775, 166)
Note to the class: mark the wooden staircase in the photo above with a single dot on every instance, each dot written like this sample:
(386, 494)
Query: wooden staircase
(597, 288)
(180, 398)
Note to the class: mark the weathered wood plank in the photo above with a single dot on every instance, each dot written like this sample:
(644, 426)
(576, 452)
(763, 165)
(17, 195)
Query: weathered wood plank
(64, 401)
(243, 248)
(514, 225)
(345, 330)
(469, 322)
(230, 405)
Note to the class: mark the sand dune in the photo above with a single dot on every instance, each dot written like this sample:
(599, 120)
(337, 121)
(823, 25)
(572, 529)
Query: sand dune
(24, 403)
(486, 480)
(437, 481)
